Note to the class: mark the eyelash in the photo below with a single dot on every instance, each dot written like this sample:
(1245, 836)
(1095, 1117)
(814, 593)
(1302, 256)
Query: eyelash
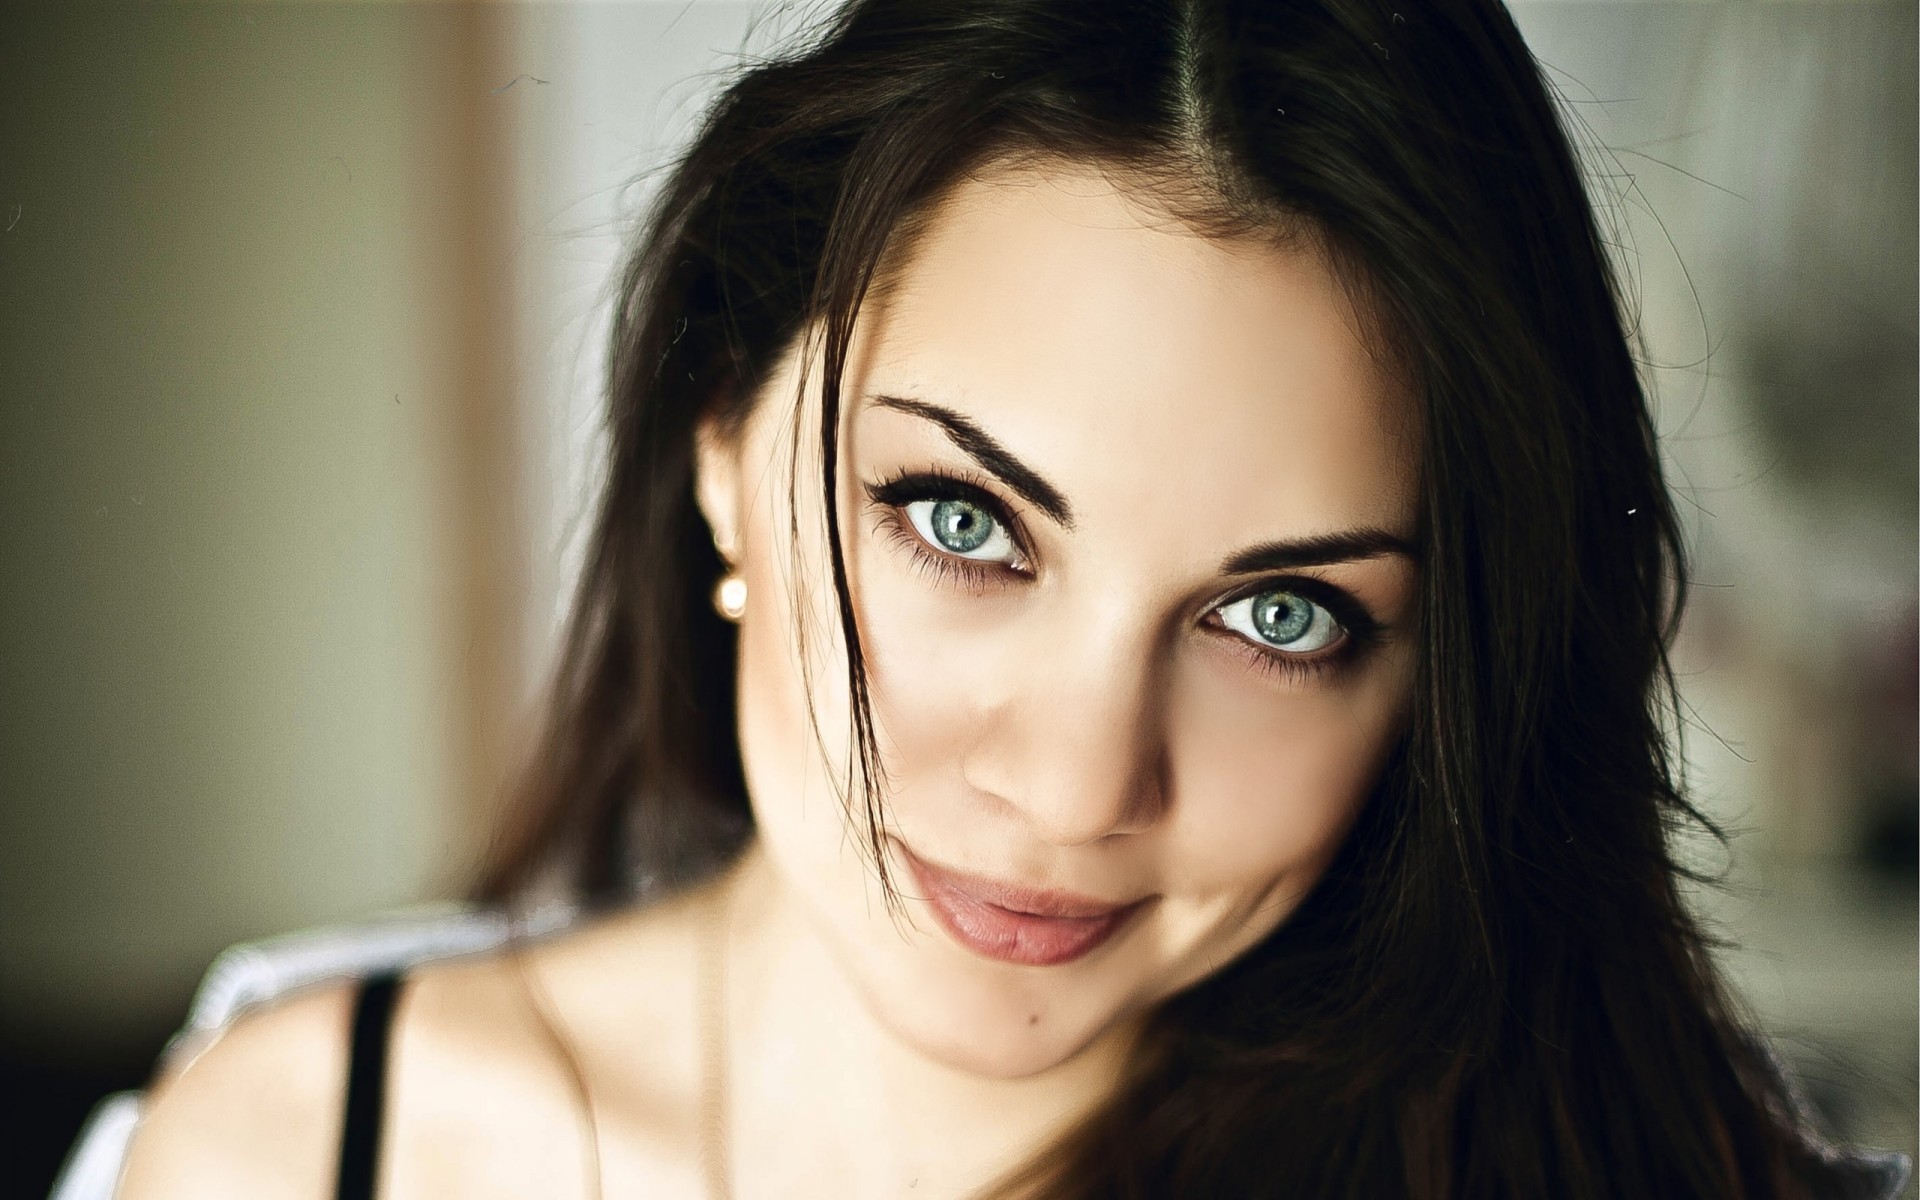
(1359, 630)
(890, 496)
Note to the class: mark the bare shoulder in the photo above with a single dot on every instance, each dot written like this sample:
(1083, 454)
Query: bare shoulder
(525, 1071)
(511, 1073)
(254, 1114)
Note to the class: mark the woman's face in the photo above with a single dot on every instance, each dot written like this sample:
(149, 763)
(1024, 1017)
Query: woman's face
(1126, 514)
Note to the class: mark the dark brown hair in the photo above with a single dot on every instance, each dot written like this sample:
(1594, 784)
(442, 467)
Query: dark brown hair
(1497, 990)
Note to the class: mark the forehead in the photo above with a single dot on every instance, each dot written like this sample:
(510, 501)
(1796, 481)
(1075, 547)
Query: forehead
(1116, 350)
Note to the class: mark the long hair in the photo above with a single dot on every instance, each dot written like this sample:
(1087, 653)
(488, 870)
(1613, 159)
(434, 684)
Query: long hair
(1497, 990)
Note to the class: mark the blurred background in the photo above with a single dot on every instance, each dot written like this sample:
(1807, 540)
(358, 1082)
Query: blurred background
(300, 322)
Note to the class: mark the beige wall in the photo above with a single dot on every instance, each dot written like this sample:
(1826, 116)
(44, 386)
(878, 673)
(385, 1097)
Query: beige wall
(256, 503)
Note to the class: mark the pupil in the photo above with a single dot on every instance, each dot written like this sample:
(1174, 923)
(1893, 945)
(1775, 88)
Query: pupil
(1281, 617)
(960, 526)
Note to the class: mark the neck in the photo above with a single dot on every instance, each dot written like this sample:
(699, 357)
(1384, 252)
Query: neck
(817, 1088)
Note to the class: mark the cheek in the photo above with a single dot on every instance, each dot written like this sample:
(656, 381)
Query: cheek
(934, 680)
(787, 689)
(775, 742)
(1268, 782)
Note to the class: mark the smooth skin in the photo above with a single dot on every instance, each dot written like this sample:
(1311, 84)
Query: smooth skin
(1075, 699)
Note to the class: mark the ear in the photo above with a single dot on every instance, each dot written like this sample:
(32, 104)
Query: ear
(716, 485)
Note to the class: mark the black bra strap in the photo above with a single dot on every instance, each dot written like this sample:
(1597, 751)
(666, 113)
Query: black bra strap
(366, 1086)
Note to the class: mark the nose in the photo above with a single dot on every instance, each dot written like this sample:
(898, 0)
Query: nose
(1076, 746)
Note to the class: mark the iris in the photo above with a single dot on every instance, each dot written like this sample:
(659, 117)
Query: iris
(1282, 617)
(959, 526)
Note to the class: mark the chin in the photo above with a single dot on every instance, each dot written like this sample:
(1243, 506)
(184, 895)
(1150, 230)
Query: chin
(974, 1032)
(973, 1016)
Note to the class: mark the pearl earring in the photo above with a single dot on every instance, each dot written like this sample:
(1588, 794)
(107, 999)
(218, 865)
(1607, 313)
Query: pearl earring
(730, 596)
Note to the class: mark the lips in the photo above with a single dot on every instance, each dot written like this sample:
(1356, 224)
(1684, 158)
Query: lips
(1015, 924)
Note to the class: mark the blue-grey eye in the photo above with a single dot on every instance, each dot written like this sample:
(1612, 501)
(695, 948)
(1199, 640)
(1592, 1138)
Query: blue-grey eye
(961, 528)
(1282, 620)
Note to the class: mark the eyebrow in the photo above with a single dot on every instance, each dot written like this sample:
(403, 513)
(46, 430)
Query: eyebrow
(994, 458)
(1320, 550)
(1350, 545)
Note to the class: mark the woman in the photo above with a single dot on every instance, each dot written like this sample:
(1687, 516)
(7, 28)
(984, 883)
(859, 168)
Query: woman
(1180, 708)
